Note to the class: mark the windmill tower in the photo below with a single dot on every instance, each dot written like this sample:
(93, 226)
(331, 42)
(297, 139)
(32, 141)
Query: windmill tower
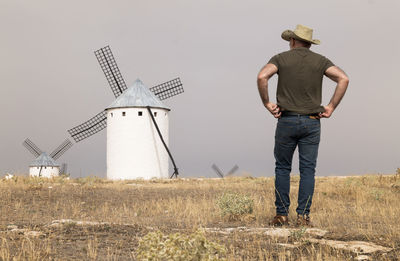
(45, 165)
(137, 121)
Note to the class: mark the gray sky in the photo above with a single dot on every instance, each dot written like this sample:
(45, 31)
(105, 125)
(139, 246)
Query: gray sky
(51, 81)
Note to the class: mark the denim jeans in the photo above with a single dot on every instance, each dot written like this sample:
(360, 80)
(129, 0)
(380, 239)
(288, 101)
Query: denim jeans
(303, 132)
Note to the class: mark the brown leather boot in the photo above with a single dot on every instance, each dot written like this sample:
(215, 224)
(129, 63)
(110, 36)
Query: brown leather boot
(303, 221)
(279, 220)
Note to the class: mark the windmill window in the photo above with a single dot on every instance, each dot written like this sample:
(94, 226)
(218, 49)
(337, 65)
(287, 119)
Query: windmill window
(123, 113)
(140, 113)
(112, 114)
(155, 114)
(45, 167)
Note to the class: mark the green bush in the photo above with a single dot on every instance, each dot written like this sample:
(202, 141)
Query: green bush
(235, 205)
(157, 246)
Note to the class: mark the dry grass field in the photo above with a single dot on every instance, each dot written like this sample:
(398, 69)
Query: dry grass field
(107, 219)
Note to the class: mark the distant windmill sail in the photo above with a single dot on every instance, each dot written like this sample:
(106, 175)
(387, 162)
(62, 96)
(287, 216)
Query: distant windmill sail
(111, 70)
(168, 89)
(60, 150)
(233, 170)
(90, 127)
(217, 170)
(32, 147)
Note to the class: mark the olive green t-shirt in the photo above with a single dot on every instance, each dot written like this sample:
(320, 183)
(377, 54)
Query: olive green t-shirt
(300, 74)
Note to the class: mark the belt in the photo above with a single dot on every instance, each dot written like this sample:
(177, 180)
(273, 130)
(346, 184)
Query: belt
(291, 113)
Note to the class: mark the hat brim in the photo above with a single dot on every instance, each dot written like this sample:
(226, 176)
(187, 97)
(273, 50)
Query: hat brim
(287, 34)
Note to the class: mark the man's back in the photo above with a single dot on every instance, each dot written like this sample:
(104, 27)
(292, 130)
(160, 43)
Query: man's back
(300, 80)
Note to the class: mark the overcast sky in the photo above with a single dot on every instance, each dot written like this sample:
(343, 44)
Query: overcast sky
(51, 81)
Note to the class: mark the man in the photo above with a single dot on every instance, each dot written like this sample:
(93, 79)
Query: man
(298, 110)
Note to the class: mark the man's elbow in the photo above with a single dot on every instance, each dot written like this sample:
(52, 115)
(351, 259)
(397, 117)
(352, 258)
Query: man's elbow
(345, 80)
(259, 77)
(262, 77)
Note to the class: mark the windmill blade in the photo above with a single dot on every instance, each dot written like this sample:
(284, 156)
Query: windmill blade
(168, 89)
(60, 150)
(32, 148)
(111, 71)
(217, 170)
(63, 169)
(90, 127)
(235, 168)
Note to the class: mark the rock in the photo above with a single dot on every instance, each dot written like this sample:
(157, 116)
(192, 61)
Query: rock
(316, 232)
(18, 230)
(296, 244)
(278, 232)
(56, 223)
(11, 227)
(358, 247)
(33, 233)
(269, 231)
(134, 184)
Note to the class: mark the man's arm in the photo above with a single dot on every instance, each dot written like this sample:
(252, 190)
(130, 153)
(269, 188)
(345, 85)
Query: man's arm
(339, 76)
(262, 81)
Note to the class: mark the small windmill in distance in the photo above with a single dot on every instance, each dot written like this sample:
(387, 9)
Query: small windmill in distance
(45, 165)
(221, 174)
(137, 125)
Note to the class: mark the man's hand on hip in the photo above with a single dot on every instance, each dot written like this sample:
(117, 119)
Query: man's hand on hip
(273, 109)
(328, 112)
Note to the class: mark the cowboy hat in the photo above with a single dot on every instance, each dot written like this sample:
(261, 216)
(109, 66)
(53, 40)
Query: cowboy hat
(302, 33)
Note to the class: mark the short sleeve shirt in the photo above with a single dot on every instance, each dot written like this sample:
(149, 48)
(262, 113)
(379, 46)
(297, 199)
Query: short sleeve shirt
(300, 75)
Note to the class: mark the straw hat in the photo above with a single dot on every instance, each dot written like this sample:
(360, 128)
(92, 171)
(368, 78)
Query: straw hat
(301, 32)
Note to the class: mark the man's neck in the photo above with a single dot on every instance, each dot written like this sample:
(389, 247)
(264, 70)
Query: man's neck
(298, 47)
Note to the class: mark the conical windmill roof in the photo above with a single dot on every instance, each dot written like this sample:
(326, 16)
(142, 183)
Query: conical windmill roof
(44, 160)
(138, 95)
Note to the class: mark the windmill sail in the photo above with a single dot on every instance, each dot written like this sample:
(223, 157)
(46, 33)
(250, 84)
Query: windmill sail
(32, 147)
(111, 70)
(60, 150)
(90, 127)
(233, 170)
(168, 89)
(217, 170)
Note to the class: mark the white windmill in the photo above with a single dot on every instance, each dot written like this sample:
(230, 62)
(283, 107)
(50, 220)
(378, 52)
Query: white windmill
(45, 165)
(137, 131)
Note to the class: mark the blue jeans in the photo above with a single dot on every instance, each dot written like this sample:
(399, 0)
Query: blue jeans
(293, 131)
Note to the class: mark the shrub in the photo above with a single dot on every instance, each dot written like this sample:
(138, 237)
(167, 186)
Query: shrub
(195, 247)
(235, 205)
